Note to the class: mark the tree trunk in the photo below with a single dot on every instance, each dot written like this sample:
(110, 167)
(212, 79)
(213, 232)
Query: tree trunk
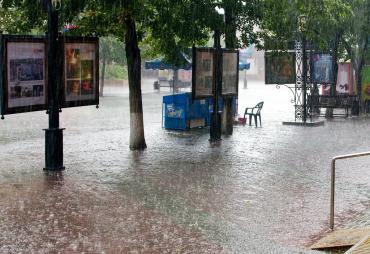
(333, 88)
(103, 74)
(358, 78)
(137, 139)
(227, 118)
(358, 61)
(175, 80)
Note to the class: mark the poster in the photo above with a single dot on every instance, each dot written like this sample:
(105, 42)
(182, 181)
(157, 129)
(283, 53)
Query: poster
(280, 68)
(25, 84)
(344, 79)
(230, 71)
(326, 89)
(203, 72)
(366, 83)
(81, 73)
(322, 69)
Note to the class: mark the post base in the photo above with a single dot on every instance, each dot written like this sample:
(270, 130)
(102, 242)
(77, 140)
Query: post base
(54, 149)
(215, 128)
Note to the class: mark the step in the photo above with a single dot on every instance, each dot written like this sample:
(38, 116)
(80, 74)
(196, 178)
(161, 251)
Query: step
(341, 238)
(362, 247)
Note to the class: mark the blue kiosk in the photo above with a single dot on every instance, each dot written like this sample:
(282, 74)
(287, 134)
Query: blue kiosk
(180, 111)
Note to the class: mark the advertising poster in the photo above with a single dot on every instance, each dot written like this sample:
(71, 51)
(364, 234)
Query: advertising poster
(326, 89)
(230, 71)
(25, 75)
(322, 69)
(81, 74)
(366, 83)
(203, 68)
(280, 68)
(344, 79)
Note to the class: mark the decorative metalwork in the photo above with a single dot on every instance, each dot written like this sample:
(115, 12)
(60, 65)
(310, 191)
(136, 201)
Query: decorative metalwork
(298, 103)
(302, 104)
(290, 89)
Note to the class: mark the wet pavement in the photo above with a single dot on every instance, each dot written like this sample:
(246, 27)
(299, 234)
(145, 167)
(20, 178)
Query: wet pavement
(261, 190)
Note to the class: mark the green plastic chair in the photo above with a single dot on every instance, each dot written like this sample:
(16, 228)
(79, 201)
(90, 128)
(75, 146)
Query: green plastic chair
(255, 112)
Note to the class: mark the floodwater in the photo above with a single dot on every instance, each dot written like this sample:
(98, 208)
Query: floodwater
(261, 190)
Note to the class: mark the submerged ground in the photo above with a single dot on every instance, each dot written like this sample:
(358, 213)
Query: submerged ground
(262, 190)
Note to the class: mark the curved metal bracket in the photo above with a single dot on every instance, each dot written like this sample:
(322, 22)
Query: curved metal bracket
(291, 89)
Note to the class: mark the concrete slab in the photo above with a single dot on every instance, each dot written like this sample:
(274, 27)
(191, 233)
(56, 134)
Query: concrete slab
(361, 247)
(341, 238)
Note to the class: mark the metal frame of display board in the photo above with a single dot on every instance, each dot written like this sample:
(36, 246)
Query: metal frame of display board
(270, 55)
(228, 95)
(194, 68)
(194, 74)
(311, 69)
(81, 40)
(4, 40)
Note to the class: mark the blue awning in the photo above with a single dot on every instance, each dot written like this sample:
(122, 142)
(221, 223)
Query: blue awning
(160, 64)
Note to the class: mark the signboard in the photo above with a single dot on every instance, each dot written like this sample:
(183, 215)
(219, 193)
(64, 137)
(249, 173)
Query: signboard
(280, 68)
(230, 72)
(365, 83)
(23, 65)
(322, 69)
(344, 79)
(81, 71)
(203, 72)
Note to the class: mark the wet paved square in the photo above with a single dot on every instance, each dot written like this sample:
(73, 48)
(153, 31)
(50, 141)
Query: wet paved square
(262, 190)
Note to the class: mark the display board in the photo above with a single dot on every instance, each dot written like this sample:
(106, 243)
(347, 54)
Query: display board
(23, 77)
(322, 71)
(344, 79)
(280, 68)
(230, 72)
(365, 83)
(203, 81)
(81, 71)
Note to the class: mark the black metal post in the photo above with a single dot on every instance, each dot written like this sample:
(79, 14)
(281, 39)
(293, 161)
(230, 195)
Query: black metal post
(304, 78)
(215, 130)
(54, 134)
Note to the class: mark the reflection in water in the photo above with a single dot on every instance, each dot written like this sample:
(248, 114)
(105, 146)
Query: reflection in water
(53, 180)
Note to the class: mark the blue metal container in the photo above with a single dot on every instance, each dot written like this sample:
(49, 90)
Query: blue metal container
(181, 112)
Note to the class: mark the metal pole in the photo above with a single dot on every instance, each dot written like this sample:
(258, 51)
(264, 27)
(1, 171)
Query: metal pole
(245, 79)
(54, 134)
(332, 192)
(332, 182)
(304, 78)
(215, 130)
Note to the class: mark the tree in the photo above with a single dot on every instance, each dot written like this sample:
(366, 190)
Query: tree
(101, 17)
(243, 17)
(110, 50)
(356, 37)
(118, 18)
(179, 24)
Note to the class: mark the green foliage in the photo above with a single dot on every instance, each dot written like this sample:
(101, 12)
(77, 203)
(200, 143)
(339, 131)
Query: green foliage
(325, 19)
(116, 71)
(112, 50)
